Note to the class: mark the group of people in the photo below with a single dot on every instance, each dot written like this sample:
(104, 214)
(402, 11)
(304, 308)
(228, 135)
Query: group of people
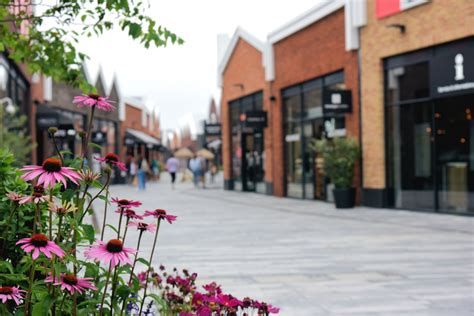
(198, 165)
(140, 170)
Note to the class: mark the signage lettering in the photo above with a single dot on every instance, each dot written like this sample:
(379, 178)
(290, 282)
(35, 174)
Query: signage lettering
(452, 68)
(254, 119)
(337, 102)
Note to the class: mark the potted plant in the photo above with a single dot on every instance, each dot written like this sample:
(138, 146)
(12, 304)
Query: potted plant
(340, 155)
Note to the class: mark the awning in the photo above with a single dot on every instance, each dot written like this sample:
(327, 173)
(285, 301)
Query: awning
(47, 116)
(214, 144)
(140, 137)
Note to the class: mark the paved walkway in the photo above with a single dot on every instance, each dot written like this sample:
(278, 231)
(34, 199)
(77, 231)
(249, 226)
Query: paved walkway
(311, 259)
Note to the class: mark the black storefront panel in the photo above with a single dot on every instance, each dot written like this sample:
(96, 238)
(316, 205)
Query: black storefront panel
(430, 129)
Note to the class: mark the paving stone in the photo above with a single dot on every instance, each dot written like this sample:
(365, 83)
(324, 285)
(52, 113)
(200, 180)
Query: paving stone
(309, 258)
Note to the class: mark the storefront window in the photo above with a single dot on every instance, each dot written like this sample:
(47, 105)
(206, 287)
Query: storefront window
(430, 135)
(408, 83)
(248, 159)
(304, 122)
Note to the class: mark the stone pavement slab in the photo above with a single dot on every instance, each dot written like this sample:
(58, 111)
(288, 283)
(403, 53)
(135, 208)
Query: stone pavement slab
(309, 258)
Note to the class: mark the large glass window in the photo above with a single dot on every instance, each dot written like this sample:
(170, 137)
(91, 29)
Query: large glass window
(430, 143)
(304, 121)
(248, 159)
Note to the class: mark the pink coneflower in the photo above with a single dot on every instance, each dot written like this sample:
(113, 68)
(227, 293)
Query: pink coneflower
(112, 252)
(50, 173)
(143, 226)
(265, 308)
(228, 300)
(123, 203)
(11, 293)
(36, 197)
(112, 159)
(88, 176)
(159, 213)
(40, 243)
(212, 288)
(92, 99)
(14, 197)
(129, 213)
(72, 283)
(63, 208)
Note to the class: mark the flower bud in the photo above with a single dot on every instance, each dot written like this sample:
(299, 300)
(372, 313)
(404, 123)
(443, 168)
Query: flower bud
(82, 134)
(107, 169)
(52, 130)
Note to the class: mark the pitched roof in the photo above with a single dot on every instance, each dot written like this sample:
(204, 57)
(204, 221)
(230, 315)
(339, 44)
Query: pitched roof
(239, 33)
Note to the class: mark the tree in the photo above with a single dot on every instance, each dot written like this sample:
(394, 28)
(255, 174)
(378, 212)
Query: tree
(44, 34)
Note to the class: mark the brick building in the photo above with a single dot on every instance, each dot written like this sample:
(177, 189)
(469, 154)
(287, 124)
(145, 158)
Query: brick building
(287, 77)
(140, 132)
(417, 94)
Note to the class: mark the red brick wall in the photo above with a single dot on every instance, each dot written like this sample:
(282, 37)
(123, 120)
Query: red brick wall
(244, 67)
(315, 51)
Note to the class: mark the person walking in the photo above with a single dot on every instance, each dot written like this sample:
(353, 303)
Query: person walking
(143, 170)
(133, 171)
(172, 166)
(195, 164)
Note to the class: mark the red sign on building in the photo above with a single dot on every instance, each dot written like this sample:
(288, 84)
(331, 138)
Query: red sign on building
(389, 7)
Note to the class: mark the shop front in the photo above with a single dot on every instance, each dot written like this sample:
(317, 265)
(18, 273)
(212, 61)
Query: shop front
(305, 120)
(248, 156)
(429, 109)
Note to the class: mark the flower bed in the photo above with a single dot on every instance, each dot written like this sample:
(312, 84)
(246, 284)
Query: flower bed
(52, 262)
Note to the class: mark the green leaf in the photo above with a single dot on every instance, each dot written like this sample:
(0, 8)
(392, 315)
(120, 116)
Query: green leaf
(123, 291)
(145, 262)
(89, 232)
(43, 307)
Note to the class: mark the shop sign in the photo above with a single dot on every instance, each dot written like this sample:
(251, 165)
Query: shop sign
(385, 8)
(212, 129)
(452, 69)
(337, 102)
(47, 121)
(129, 142)
(254, 119)
(98, 137)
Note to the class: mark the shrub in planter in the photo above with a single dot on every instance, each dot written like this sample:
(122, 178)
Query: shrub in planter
(52, 262)
(340, 156)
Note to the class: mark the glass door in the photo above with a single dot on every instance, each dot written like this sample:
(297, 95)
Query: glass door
(455, 153)
(253, 173)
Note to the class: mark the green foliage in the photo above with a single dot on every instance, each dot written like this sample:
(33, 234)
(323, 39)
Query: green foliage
(14, 136)
(340, 155)
(54, 30)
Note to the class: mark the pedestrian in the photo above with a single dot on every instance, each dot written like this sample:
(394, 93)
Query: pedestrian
(203, 162)
(143, 170)
(133, 171)
(172, 166)
(155, 169)
(195, 164)
(213, 170)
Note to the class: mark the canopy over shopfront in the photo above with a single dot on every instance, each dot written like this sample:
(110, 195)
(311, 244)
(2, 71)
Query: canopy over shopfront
(133, 136)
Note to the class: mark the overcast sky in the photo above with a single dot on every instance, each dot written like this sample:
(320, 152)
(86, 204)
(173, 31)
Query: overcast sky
(180, 80)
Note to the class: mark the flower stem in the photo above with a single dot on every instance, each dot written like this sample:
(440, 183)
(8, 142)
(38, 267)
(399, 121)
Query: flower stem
(36, 220)
(102, 232)
(149, 264)
(133, 269)
(86, 142)
(105, 290)
(106, 185)
(120, 223)
(57, 148)
(30, 286)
